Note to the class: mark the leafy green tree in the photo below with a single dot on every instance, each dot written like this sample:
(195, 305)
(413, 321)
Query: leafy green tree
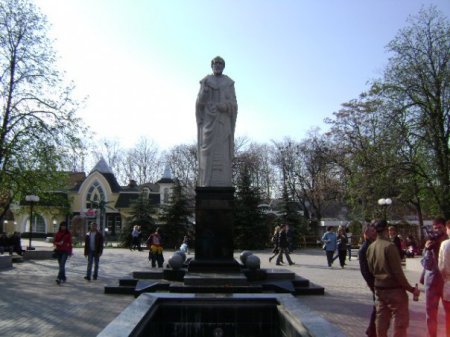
(142, 213)
(38, 127)
(250, 231)
(175, 216)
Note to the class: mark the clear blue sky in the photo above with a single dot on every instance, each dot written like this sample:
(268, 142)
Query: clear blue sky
(294, 62)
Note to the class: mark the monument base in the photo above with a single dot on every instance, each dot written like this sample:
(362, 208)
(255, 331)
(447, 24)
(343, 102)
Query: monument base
(214, 231)
(214, 266)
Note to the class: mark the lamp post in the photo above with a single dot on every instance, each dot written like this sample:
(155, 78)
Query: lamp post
(384, 203)
(31, 199)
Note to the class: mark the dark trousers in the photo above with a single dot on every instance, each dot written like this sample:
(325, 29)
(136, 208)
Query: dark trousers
(92, 259)
(284, 251)
(372, 329)
(330, 254)
(62, 259)
(341, 254)
(156, 258)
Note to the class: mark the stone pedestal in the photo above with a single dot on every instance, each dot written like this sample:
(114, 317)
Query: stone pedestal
(214, 231)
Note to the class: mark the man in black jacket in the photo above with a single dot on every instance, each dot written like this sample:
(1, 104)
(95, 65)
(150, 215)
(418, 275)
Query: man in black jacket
(93, 249)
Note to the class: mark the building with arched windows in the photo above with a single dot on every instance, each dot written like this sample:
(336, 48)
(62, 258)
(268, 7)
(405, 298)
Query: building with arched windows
(97, 197)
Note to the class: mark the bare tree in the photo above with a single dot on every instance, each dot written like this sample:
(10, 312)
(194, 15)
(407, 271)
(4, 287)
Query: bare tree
(182, 160)
(143, 162)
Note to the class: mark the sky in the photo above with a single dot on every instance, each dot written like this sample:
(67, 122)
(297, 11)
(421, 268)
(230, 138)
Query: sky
(294, 62)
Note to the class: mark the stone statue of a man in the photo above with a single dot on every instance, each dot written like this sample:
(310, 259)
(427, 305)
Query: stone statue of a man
(216, 112)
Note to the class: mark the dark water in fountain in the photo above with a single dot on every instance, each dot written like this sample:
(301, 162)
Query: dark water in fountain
(218, 319)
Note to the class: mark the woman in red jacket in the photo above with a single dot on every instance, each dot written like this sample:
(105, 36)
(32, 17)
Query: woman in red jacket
(63, 248)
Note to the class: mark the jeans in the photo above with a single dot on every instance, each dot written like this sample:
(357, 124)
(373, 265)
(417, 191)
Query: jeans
(62, 259)
(330, 254)
(433, 295)
(92, 258)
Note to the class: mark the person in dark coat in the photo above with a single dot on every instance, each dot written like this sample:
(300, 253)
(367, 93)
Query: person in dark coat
(370, 234)
(283, 246)
(93, 249)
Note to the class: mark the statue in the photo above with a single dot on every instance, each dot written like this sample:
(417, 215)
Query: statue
(216, 112)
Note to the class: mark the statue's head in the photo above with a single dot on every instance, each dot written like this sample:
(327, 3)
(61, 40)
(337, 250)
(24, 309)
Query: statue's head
(217, 65)
(217, 59)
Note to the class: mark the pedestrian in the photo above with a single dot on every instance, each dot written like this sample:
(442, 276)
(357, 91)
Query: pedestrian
(433, 280)
(274, 241)
(329, 244)
(185, 245)
(63, 249)
(444, 268)
(395, 238)
(16, 243)
(136, 238)
(349, 243)
(4, 244)
(283, 246)
(93, 249)
(341, 240)
(390, 284)
(155, 247)
(370, 234)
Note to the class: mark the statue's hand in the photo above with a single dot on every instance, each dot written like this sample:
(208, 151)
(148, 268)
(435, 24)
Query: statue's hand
(222, 107)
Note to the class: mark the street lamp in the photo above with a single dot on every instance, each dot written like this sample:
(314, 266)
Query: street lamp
(384, 203)
(31, 199)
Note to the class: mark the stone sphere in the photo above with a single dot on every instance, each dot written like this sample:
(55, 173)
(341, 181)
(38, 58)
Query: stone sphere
(182, 254)
(244, 255)
(176, 261)
(252, 262)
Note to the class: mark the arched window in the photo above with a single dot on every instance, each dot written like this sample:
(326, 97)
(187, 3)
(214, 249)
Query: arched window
(165, 195)
(94, 195)
(146, 192)
(38, 223)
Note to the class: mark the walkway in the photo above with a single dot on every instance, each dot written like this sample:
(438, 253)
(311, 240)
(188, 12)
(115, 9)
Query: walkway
(33, 305)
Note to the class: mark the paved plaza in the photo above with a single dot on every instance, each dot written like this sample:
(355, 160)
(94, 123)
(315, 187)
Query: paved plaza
(31, 304)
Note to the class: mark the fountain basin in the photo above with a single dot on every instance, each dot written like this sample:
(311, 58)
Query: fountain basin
(217, 315)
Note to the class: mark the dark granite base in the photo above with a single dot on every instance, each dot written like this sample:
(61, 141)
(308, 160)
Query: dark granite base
(214, 266)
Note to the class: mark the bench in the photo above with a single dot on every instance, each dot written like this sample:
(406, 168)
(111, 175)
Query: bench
(37, 254)
(5, 261)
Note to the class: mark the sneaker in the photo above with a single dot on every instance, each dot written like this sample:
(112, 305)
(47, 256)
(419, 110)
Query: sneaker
(58, 281)
(87, 278)
(95, 278)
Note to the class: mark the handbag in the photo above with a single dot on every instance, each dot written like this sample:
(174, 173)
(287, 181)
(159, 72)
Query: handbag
(55, 254)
